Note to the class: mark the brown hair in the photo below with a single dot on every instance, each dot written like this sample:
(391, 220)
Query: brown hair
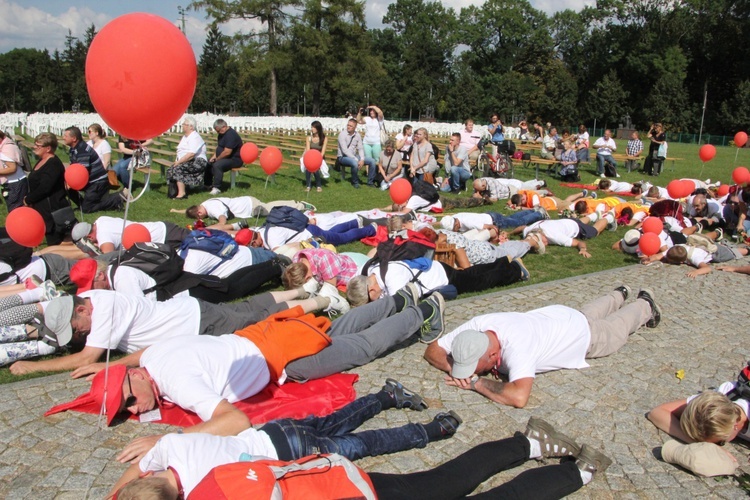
(47, 139)
(676, 255)
(294, 275)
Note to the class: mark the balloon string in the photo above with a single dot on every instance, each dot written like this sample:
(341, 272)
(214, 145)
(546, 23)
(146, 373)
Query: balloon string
(266, 182)
(736, 154)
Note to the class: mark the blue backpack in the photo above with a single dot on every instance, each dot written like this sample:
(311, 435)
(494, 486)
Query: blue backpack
(213, 241)
(286, 217)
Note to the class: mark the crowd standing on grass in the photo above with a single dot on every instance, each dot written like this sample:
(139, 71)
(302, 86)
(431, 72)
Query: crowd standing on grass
(167, 301)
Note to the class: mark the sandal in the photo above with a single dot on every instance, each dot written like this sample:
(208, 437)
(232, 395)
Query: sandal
(404, 397)
(320, 189)
(449, 422)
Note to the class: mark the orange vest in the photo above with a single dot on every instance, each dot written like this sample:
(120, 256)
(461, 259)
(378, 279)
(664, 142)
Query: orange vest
(316, 477)
(546, 203)
(636, 208)
(286, 336)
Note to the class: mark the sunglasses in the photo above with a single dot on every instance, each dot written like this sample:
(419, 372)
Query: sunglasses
(131, 400)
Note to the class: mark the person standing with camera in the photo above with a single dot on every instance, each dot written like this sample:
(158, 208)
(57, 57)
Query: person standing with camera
(373, 123)
(652, 165)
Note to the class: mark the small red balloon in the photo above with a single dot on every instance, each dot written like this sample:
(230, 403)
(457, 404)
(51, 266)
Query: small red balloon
(270, 160)
(652, 225)
(25, 226)
(400, 191)
(312, 160)
(135, 233)
(249, 152)
(151, 85)
(649, 244)
(741, 175)
(740, 139)
(707, 152)
(723, 190)
(77, 176)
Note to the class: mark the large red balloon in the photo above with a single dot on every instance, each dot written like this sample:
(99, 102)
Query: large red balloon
(25, 226)
(740, 139)
(687, 186)
(135, 233)
(707, 152)
(400, 191)
(270, 160)
(649, 244)
(741, 175)
(673, 188)
(652, 225)
(76, 176)
(140, 74)
(723, 190)
(312, 160)
(249, 152)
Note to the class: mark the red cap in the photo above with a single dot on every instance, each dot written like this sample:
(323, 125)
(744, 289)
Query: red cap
(244, 236)
(83, 273)
(113, 388)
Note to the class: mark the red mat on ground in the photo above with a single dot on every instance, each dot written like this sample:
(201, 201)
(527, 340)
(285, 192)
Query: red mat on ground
(291, 400)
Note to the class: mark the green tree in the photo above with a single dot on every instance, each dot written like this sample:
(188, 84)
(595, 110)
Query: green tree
(217, 75)
(608, 102)
(734, 113)
(25, 76)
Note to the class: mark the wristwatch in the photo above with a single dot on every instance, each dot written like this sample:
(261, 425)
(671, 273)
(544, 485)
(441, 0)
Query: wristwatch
(474, 382)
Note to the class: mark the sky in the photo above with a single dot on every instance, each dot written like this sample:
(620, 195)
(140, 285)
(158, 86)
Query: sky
(44, 24)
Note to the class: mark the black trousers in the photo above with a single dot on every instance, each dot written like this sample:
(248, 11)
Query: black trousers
(97, 197)
(240, 283)
(460, 476)
(483, 276)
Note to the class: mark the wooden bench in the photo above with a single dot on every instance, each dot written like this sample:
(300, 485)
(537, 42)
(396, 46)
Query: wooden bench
(233, 175)
(536, 160)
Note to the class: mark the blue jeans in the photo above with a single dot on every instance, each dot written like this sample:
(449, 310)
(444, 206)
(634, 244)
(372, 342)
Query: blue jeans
(261, 255)
(121, 168)
(353, 163)
(600, 159)
(520, 218)
(218, 168)
(333, 434)
(459, 175)
(340, 234)
(308, 178)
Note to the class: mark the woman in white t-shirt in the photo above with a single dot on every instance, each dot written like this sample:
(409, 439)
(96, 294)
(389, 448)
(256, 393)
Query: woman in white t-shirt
(404, 142)
(190, 167)
(98, 142)
(373, 123)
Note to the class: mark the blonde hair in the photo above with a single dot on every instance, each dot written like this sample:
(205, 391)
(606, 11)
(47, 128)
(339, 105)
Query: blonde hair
(294, 275)
(148, 488)
(47, 139)
(356, 291)
(711, 415)
(426, 133)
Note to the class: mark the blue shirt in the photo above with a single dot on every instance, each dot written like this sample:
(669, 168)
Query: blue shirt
(498, 136)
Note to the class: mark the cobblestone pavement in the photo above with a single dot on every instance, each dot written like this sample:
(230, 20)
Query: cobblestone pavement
(702, 332)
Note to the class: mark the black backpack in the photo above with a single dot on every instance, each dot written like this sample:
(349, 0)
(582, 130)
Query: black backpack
(161, 262)
(425, 190)
(742, 390)
(287, 217)
(399, 248)
(435, 151)
(13, 254)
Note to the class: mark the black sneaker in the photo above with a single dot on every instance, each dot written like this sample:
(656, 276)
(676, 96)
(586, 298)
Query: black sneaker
(648, 296)
(410, 293)
(403, 397)
(243, 224)
(624, 290)
(551, 442)
(592, 461)
(449, 422)
(433, 327)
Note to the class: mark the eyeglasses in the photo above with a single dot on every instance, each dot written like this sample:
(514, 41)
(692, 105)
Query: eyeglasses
(37, 146)
(131, 400)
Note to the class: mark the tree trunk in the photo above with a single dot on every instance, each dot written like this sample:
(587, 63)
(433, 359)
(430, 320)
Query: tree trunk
(316, 99)
(272, 103)
(271, 49)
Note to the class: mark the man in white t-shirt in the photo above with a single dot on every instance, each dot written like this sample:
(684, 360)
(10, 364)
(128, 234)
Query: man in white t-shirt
(272, 237)
(521, 345)
(241, 207)
(567, 232)
(500, 189)
(470, 140)
(605, 146)
(106, 233)
(457, 164)
(466, 221)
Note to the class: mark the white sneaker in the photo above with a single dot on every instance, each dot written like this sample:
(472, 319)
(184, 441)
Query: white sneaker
(603, 176)
(338, 305)
(311, 287)
(215, 191)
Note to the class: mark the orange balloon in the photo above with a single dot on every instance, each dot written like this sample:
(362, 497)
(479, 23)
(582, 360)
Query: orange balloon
(312, 159)
(740, 139)
(652, 225)
(400, 191)
(707, 152)
(135, 233)
(76, 176)
(723, 190)
(270, 160)
(153, 80)
(249, 152)
(649, 244)
(741, 175)
(25, 226)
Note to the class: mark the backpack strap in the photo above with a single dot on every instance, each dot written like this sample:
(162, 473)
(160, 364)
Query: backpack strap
(230, 214)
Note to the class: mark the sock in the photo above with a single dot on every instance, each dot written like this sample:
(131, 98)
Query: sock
(386, 400)
(236, 226)
(609, 217)
(426, 310)
(535, 448)
(322, 302)
(586, 477)
(31, 296)
(302, 293)
(434, 431)
(594, 216)
(45, 349)
(400, 302)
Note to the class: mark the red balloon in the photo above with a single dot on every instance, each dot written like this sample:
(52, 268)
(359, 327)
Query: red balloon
(649, 244)
(249, 152)
(270, 160)
(673, 188)
(135, 233)
(76, 176)
(400, 191)
(741, 175)
(140, 74)
(687, 186)
(723, 190)
(652, 225)
(740, 139)
(312, 160)
(707, 152)
(25, 226)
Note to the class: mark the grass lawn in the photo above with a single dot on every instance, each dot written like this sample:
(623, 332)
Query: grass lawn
(557, 263)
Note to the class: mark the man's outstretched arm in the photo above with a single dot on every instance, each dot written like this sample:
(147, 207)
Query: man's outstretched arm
(86, 356)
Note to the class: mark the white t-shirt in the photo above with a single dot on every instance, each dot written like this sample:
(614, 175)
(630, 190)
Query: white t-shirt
(241, 207)
(35, 267)
(109, 230)
(102, 149)
(409, 140)
(129, 323)
(372, 130)
(696, 256)
(470, 221)
(193, 143)
(551, 338)
(418, 203)
(197, 373)
(400, 274)
(278, 236)
(559, 232)
(200, 262)
(193, 455)
(327, 221)
(744, 404)
(606, 146)
(132, 281)
(18, 174)
(620, 187)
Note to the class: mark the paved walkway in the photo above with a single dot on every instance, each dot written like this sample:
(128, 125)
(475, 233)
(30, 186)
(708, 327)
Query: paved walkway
(703, 332)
